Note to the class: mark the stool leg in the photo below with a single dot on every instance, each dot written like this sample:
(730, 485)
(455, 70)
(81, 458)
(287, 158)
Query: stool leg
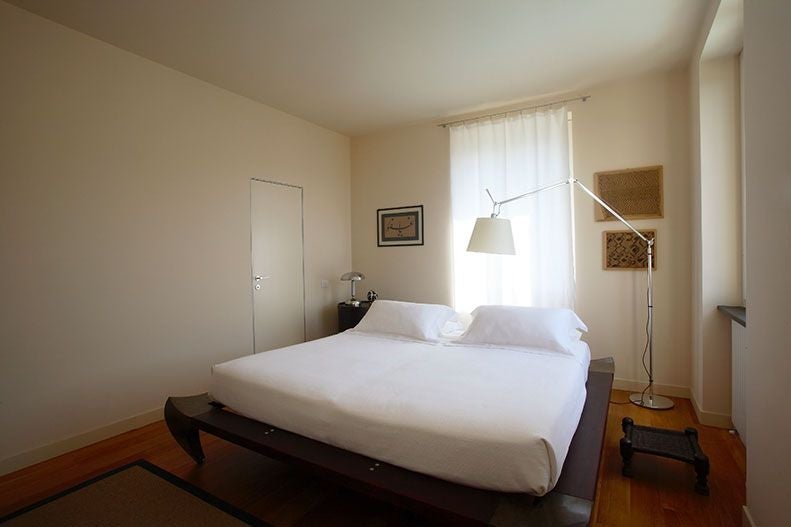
(702, 471)
(701, 462)
(626, 455)
(626, 446)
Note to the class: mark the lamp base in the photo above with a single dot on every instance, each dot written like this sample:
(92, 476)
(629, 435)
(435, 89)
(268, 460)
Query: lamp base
(652, 402)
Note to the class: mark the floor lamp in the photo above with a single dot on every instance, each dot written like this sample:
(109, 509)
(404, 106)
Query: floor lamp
(494, 235)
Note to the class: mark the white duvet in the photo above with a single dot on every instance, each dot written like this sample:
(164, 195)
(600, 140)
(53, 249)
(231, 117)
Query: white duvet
(493, 418)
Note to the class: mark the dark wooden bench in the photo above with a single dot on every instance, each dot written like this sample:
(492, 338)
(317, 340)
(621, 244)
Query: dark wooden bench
(681, 445)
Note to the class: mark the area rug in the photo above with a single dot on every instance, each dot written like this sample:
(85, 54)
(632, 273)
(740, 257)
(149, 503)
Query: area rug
(133, 495)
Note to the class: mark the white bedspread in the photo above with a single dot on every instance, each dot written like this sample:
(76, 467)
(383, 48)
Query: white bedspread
(492, 418)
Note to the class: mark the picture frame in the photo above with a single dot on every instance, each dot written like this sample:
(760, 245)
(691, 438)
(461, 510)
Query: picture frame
(399, 226)
(624, 250)
(636, 193)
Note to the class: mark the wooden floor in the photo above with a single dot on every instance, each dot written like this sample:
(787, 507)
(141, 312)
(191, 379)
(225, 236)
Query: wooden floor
(660, 494)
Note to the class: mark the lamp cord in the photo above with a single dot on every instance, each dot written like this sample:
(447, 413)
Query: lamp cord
(645, 351)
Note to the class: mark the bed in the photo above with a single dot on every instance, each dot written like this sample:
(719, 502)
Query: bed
(471, 434)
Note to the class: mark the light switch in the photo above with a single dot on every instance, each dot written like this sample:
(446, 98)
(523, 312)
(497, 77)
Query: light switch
(325, 284)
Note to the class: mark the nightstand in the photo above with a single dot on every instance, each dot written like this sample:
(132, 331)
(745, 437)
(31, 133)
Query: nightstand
(349, 316)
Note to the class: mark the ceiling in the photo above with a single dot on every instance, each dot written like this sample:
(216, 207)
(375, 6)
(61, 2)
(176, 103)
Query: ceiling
(355, 66)
(725, 36)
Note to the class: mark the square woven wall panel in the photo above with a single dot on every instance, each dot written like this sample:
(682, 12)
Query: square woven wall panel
(634, 193)
(624, 250)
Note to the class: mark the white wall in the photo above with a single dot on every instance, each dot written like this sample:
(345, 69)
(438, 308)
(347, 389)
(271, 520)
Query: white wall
(124, 230)
(627, 123)
(721, 225)
(715, 124)
(696, 358)
(767, 114)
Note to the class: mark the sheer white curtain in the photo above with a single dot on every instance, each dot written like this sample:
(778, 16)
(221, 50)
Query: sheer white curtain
(511, 155)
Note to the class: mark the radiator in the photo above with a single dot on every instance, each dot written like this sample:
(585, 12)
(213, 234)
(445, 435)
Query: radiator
(739, 379)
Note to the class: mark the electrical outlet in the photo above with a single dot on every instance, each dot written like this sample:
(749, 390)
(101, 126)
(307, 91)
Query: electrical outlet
(325, 284)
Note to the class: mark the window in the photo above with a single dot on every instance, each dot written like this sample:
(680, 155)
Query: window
(510, 155)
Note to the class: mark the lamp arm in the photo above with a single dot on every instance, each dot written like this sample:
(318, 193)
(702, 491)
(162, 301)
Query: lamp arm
(653, 401)
(612, 211)
(496, 205)
(529, 193)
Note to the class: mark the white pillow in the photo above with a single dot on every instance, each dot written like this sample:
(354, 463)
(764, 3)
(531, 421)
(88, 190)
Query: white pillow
(417, 321)
(531, 327)
(456, 326)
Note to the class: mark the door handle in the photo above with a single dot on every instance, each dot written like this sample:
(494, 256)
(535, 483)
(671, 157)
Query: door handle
(258, 278)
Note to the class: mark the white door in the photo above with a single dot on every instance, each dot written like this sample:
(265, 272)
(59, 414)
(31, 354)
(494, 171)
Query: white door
(278, 273)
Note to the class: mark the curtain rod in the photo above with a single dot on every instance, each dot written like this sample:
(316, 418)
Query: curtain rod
(582, 98)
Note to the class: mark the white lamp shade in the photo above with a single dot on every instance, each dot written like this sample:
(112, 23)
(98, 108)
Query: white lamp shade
(492, 235)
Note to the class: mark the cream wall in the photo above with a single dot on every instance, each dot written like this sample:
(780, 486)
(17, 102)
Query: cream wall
(124, 231)
(767, 117)
(628, 123)
(632, 123)
(402, 167)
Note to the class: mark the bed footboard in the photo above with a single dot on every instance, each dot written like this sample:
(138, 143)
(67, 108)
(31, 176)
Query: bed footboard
(178, 416)
(569, 504)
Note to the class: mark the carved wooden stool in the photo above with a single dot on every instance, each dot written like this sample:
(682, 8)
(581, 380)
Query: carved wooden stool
(673, 444)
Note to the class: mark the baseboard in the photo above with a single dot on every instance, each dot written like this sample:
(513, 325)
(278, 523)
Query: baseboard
(31, 457)
(747, 519)
(670, 390)
(711, 418)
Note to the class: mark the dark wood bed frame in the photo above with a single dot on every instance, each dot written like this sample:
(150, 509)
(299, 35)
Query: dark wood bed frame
(570, 503)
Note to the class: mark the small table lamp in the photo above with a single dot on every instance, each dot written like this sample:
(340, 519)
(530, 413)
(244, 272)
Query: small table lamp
(353, 277)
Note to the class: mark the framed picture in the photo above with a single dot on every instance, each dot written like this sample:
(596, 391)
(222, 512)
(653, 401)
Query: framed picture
(635, 193)
(624, 250)
(400, 226)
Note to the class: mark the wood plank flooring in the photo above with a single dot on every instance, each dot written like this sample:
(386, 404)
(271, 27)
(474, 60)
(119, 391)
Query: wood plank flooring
(659, 494)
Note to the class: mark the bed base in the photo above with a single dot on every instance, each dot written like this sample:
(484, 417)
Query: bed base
(570, 503)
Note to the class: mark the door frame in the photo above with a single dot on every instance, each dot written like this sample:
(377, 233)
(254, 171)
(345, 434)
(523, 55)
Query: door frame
(251, 284)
